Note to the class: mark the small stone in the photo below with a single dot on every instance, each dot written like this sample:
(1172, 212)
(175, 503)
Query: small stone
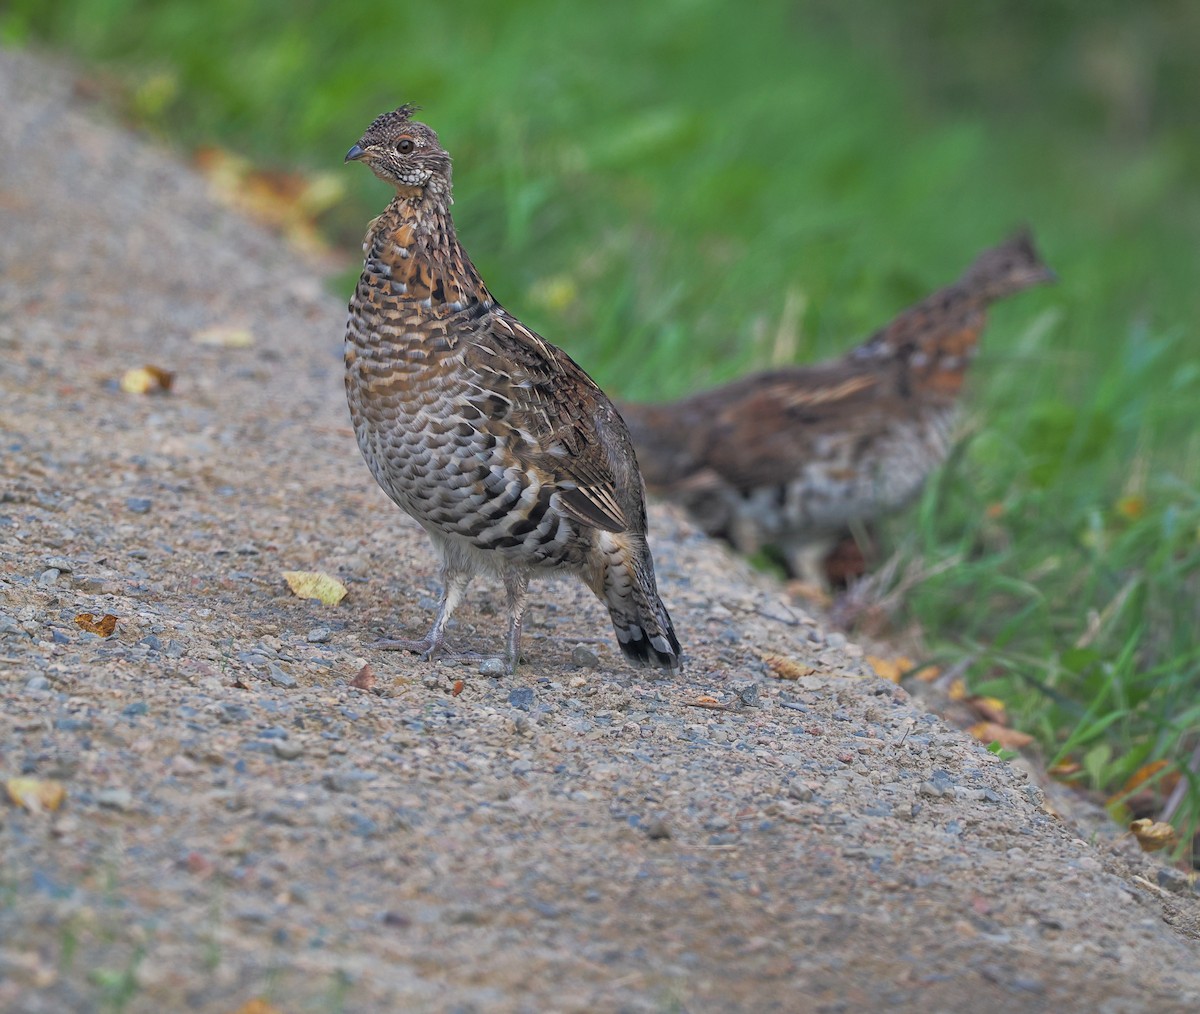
(521, 698)
(48, 577)
(347, 781)
(798, 790)
(491, 667)
(37, 683)
(279, 677)
(139, 504)
(584, 657)
(1175, 880)
(747, 693)
(10, 626)
(60, 563)
(135, 709)
(287, 749)
(318, 635)
(939, 784)
(115, 799)
(658, 829)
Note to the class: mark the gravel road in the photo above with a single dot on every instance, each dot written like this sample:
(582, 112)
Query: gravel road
(240, 822)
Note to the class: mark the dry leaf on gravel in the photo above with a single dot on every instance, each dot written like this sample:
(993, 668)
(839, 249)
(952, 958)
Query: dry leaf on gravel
(147, 380)
(37, 795)
(313, 584)
(1065, 770)
(458, 688)
(257, 1006)
(993, 732)
(225, 337)
(786, 668)
(288, 202)
(1153, 835)
(104, 625)
(990, 709)
(1146, 773)
(365, 680)
(893, 669)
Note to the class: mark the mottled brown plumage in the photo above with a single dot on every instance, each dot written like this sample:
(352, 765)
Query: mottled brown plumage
(493, 439)
(793, 456)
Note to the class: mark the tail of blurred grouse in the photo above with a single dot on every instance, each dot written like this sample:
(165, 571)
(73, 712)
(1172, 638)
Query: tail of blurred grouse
(504, 450)
(792, 457)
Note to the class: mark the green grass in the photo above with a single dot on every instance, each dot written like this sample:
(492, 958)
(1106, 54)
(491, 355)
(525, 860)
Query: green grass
(680, 192)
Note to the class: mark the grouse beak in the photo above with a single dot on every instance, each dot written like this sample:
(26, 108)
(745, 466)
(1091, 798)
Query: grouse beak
(354, 154)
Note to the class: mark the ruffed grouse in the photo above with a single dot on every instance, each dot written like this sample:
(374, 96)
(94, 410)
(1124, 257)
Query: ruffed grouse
(494, 440)
(792, 457)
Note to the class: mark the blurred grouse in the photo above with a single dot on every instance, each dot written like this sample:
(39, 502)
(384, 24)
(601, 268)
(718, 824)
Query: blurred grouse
(494, 440)
(792, 457)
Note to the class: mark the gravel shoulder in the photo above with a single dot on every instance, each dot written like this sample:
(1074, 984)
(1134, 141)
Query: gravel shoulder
(242, 822)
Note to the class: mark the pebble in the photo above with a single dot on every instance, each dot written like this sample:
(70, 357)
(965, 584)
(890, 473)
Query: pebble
(491, 667)
(139, 504)
(38, 683)
(1176, 880)
(318, 635)
(60, 563)
(798, 790)
(135, 709)
(287, 749)
(521, 697)
(939, 783)
(279, 677)
(584, 657)
(658, 829)
(10, 626)
(48, 577)
(115, 799)
(346, 781)
(747, 693)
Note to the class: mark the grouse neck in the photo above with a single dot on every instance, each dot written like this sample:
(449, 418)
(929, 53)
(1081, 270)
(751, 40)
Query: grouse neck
(414, 247)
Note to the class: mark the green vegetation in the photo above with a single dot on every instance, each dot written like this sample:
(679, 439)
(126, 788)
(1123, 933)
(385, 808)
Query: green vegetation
(682, 191)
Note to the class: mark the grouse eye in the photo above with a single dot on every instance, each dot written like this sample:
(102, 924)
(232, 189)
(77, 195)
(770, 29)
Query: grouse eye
(404, 145)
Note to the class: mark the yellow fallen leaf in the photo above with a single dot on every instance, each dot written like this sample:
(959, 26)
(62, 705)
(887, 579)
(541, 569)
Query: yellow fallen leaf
(1143, 775)
(102, 625)
(36, 795)
(257, 1006)
(1065, 769)
(991, 709)
(147, 380)
(786, 668)
(1153, 835)
(991, 732)
(314, 584)
(929, 673)
(225, 337)
(892, 669)
(957, 691)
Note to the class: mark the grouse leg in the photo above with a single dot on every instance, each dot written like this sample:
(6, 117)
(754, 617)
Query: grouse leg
(516, 584)
(455, 578)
